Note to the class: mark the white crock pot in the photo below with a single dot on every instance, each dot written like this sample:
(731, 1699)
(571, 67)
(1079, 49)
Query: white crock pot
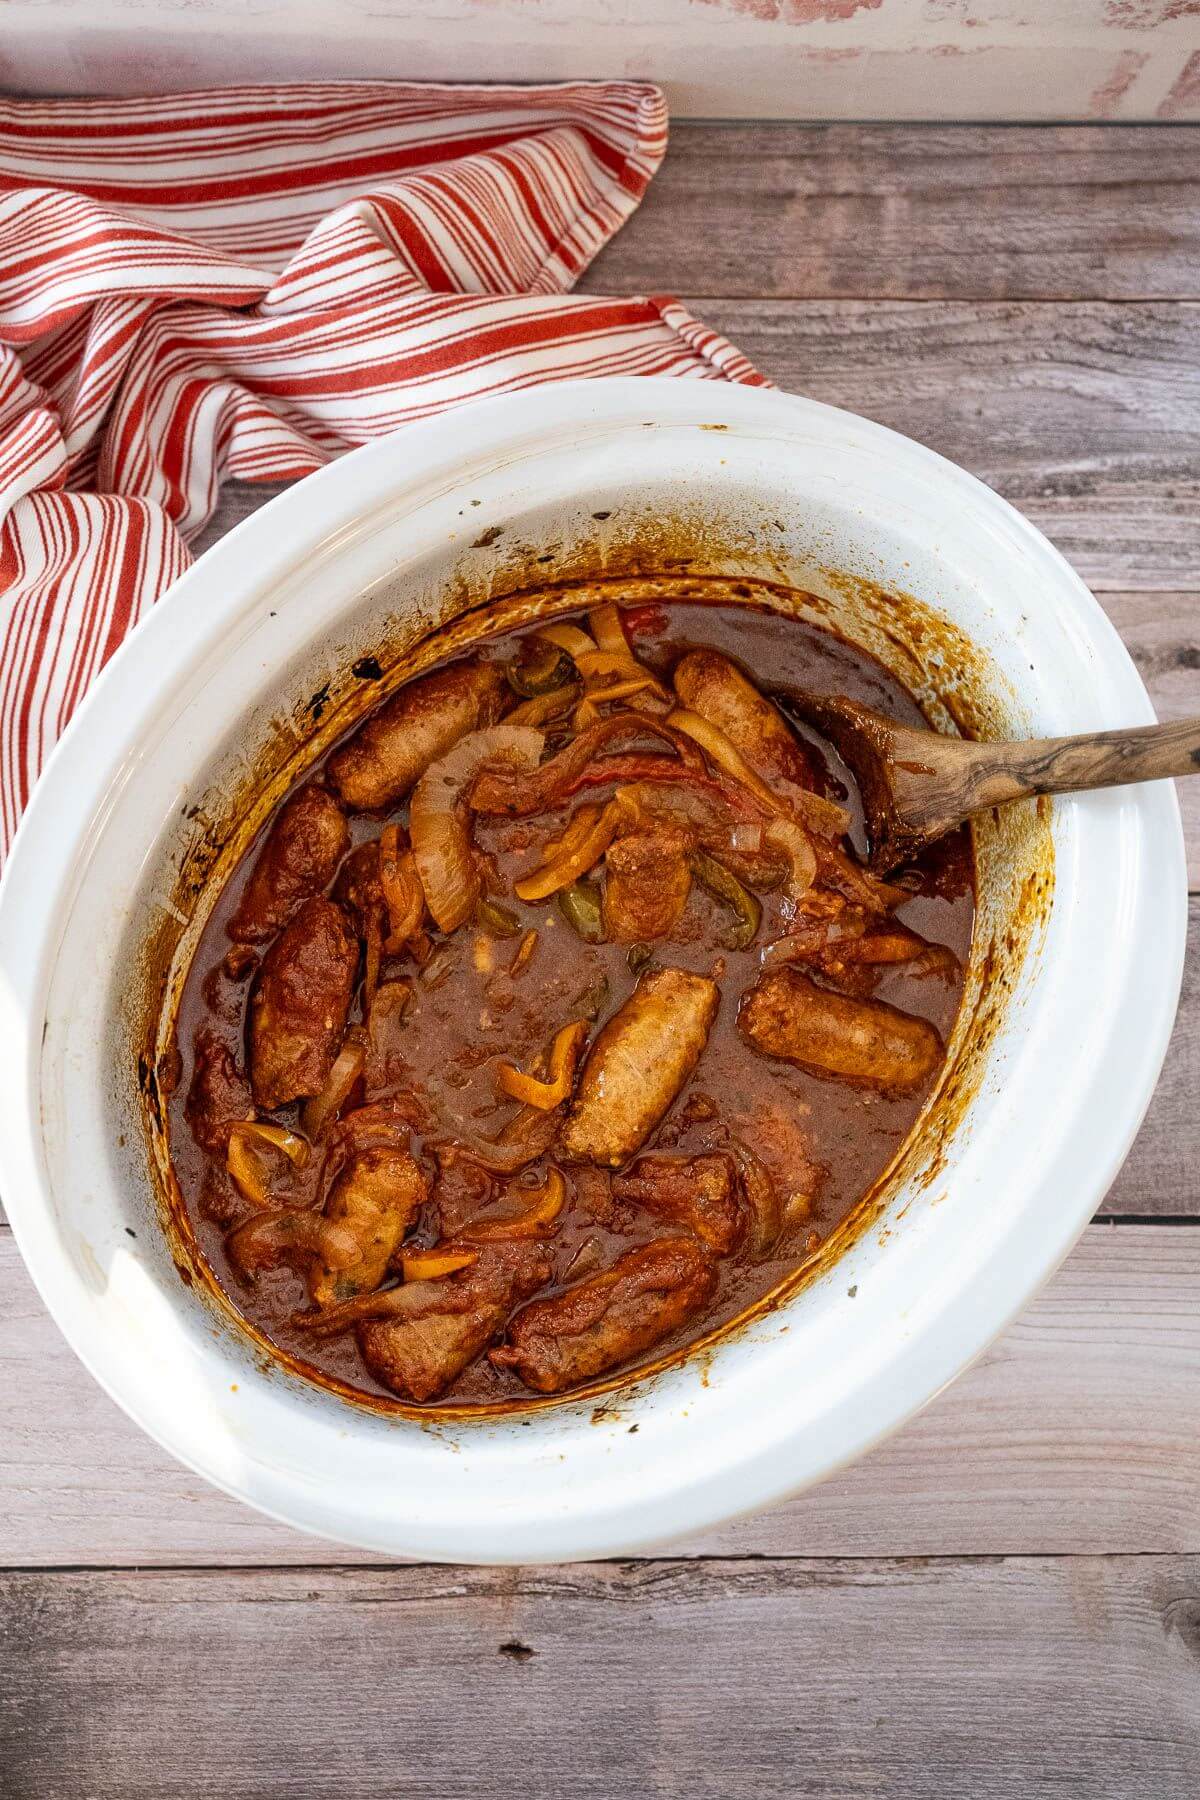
(1074, 978)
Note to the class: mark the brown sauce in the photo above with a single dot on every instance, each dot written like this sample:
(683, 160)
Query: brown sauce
(821, 1141)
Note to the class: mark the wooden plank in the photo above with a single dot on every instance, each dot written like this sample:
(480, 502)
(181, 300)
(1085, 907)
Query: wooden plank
(1086, 417)
(238, 500)
(1008, 1679)
(1079, 1430)
(1162, 634)
(994, 212)
(1161, 1176)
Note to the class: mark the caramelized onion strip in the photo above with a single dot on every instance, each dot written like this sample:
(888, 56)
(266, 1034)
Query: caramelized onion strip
(438, 823)
(568, 867)
(247, 1157)
(562, 1061)
(326, 1105)
(541, 1209)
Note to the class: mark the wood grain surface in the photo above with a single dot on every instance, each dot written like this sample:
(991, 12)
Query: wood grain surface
(1078, 1430)
(1162, 634)
(1086, 416)
(993, 1678)
(1004, 1599)
(992, 212)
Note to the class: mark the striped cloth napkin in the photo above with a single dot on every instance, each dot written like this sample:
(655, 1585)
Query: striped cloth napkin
(245, 283)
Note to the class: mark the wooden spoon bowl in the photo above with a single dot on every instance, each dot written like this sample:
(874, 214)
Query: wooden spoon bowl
(917, 785)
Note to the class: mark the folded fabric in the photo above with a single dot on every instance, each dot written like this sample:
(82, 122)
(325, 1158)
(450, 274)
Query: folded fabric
(246, 282)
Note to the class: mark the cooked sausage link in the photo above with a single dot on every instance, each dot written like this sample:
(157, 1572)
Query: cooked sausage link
(300, 1003)
(376, 1195)
(219, 1096)
(698, 1192)
(646, 1295)
(638, 1064)
(299, 859)
(451, 1320)
(713, 686)
(865, 1042)
(388, 754)
(646, 884)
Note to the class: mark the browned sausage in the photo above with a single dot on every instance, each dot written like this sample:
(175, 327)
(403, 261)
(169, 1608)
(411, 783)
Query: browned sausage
(219, 1096)
(647, 1294)
(646, 885)
(358, 887)
(450, 1321)
(425, 719)
(638, 1064)
(865, 1042)
(697, 1192)
(299, 859)
(709, 684)
(300, 1003)
(376, 1195)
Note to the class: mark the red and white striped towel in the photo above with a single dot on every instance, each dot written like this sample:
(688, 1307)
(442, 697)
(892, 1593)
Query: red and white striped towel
(247, 282)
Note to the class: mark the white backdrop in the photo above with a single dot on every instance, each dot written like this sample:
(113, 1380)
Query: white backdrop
(818, 59)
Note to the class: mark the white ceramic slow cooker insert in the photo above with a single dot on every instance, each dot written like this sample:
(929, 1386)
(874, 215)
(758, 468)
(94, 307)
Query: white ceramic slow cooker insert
(378, 548)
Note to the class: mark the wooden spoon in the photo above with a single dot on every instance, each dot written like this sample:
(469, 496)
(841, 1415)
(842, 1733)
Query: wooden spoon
(917, 785)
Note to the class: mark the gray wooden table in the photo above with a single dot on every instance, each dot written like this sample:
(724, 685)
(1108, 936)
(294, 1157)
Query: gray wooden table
(1003, 1600)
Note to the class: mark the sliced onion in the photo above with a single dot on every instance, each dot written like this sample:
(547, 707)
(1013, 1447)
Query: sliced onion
(572, 834)
(433, 1265)
(346, 1070)
(294, 1236)
(621, 666)
(610, 655)
(329, 1321)
(570, 638)
(562, 1060)
(822, 815)
(520, 794)
(543, 707)
(587, 1259)
(889, 947)
(746, 839)
(408, 1301)
(584, 855)
(525, 950)
(608, 630)
(245, 1157)
(597, 696)
(796, 845)
(936, 959)
(401, 888)
(805, 943)
(438, 823)
(392, 1000)
(528, 1135)
(844, 875)
(725, 753)
(882, 947)
(541, 1209)
(766, 1213)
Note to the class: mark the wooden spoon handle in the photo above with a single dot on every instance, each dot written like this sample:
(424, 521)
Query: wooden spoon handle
(999, 772)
